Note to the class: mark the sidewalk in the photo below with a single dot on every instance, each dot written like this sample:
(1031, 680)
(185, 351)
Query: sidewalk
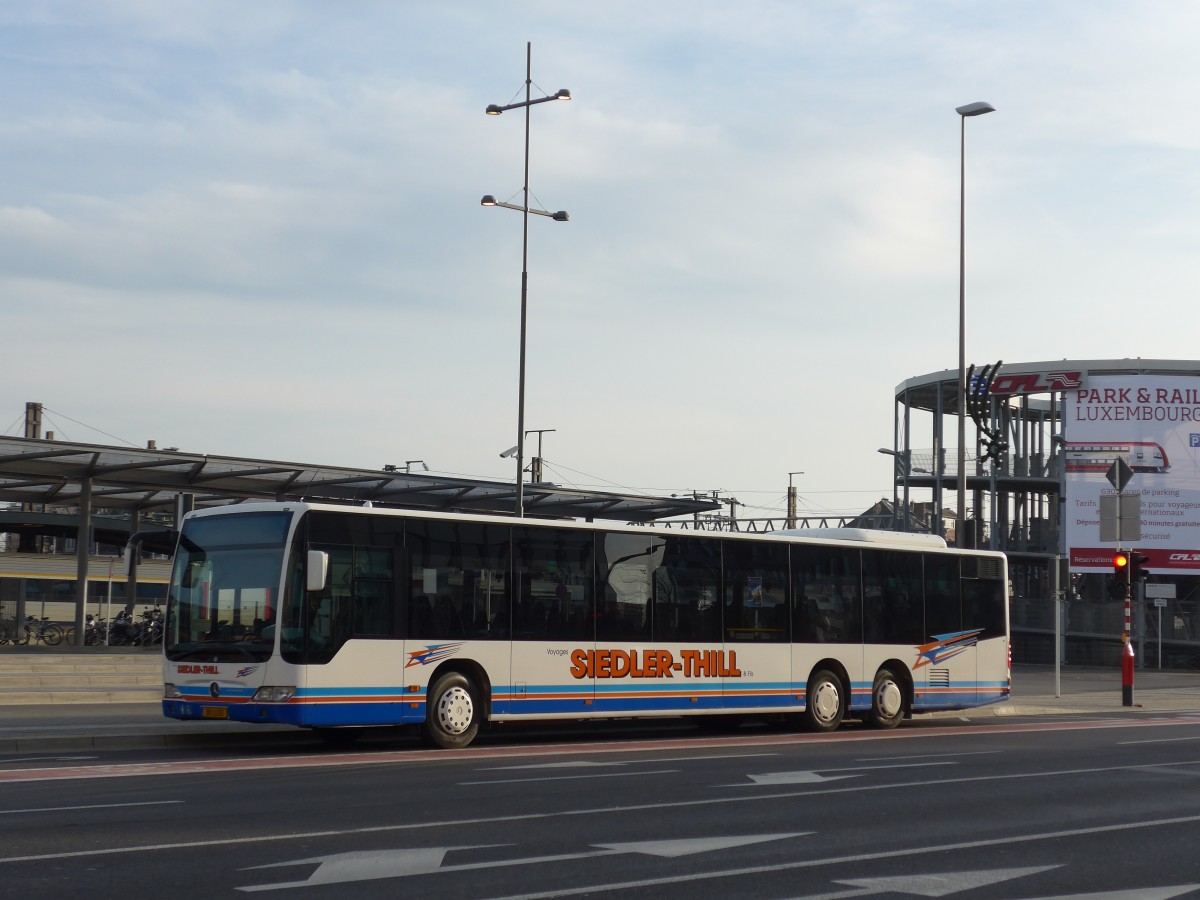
(79, 726)
(1092, 690)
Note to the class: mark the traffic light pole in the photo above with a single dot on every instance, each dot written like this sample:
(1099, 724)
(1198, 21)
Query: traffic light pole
(1127, 655)
(1118, 476)
(1123, 573)
(1128, 592)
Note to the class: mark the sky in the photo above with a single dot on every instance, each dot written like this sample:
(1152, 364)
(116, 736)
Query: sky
(254, 229)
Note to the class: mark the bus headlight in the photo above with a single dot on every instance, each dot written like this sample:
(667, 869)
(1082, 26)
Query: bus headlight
(170, 692)
(276, 694)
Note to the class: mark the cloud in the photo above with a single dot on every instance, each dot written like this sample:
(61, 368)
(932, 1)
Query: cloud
(261, 224)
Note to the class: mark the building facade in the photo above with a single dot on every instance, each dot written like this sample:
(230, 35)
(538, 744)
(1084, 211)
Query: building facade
(1068, 462)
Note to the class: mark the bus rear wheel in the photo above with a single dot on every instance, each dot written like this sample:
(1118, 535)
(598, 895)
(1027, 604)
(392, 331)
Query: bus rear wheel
(825, 702)
(887, 700)
(451, 712)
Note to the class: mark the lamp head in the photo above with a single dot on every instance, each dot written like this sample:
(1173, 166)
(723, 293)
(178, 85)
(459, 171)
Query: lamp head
(975, 109)
(562, 94)
(493, 110)
(560, 216)
(488, 200)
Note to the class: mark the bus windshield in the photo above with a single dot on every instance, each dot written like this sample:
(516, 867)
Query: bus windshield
(223, 599)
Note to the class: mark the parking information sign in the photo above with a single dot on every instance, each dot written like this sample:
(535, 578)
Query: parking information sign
(1127, 434)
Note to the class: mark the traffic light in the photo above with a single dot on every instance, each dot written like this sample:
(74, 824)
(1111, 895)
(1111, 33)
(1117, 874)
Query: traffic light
(1137, 566)
(1119, 588)
(1121, 565)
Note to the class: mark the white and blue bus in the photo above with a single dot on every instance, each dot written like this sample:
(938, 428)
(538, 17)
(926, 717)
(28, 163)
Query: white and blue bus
(337, 618)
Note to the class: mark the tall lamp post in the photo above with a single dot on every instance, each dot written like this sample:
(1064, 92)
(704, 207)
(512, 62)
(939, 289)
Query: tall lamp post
(560, 216)
(960, 526)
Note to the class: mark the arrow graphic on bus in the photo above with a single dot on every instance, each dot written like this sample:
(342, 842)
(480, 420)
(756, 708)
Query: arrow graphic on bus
(944, 646)
(431, 653)
(368, 865)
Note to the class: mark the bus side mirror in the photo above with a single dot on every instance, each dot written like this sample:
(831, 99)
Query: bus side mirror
(318, 569)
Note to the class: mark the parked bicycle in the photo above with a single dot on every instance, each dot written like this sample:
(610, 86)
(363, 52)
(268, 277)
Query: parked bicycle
(93, 632)
(40, 631)
(121, 630)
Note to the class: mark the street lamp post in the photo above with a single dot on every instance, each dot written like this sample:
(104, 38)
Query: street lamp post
(902, 467)
(971, 109)
(560, 216)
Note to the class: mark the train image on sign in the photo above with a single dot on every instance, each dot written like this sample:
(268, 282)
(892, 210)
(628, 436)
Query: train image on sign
(1098, 456)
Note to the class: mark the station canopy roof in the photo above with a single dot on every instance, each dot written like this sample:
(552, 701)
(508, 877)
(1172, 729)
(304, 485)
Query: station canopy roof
(53, 472)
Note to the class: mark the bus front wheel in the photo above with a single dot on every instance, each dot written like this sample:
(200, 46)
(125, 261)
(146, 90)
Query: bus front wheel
(825, 703)
(887, 700)
(451, 712)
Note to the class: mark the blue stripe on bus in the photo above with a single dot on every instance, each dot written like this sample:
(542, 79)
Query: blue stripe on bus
(303, 714)
(353, 692)
(387, 706)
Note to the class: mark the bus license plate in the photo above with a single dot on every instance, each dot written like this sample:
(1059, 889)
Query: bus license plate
(215, 712)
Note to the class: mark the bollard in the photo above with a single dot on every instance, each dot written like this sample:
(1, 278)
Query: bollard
(1127, 673)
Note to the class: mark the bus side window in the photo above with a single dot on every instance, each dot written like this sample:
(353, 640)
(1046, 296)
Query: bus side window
(457, 577)
(756, 595)
(826, 592)
(686, 586)
(554, 583)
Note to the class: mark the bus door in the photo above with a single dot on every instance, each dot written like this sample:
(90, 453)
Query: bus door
(457, 605)
(946, 663)
(985, 625)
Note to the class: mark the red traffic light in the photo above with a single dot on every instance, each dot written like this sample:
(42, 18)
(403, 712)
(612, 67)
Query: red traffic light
(1119, 587)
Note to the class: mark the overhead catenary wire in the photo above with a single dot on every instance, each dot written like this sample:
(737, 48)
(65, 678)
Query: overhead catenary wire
(46, 410)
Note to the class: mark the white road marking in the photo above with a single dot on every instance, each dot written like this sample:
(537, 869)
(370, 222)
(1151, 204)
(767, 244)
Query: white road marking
(45, 809)
(638, 807)
(942, 884)
(1195, 737)
(922, 756)
(774, 779)
(375, 864)
(572, 777)
(1146, 893)
(857, 859)
(586, 763)
(812, 777)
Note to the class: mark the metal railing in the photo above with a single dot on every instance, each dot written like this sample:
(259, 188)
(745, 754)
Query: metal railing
(885, 522)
